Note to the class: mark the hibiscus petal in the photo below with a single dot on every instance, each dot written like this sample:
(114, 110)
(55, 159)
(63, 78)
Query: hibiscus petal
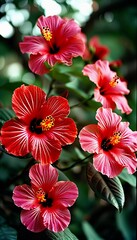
(33, 45)
(27, 102)
(134, 141)
(57, 106)
(64, 193)
(63, 57)
(103, 68)
(14, 137)
(74, 47)
(128, 137)
(43, 176)
(32, 219)
(65, 131)
(56, 219)
(52, 22)
(122, 104)
(121, 87)
(107, 119)
(24, 197)
(69, 28)
(45, 150)
(89, 138)
(51, 59)
(90, 71)
(126, 158)
(99, 72)
(105, 100)
(37, 63)
(107, 165)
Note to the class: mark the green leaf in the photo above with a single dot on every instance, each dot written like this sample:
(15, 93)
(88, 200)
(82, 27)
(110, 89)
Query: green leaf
(74, 88)
(7, 232)
(131, 179)
(109, 189)
(62, 176)
(61, 73)
(126, 222)
(5, 115)
(61, 77)
(64, 235)
(90, 232)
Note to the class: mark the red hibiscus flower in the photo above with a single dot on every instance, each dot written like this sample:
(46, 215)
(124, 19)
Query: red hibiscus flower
(45, 202)
(60, 42)
(110, 89)
(41, 126)
(98, 50)
(112, 142)
(114, 65)
(94, 50)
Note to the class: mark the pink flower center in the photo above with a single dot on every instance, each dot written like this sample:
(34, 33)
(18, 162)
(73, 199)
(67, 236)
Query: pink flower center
(107, 144)
(43, 198)
(47, 123)
(114, 81)
(47, 33)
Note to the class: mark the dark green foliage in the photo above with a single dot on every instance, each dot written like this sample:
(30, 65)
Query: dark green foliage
(109, 189)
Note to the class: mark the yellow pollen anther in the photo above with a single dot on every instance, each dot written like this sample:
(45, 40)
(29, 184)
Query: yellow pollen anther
(114, 81)
(40, 195)
(115, 139)
(47, 123)
(47, 33)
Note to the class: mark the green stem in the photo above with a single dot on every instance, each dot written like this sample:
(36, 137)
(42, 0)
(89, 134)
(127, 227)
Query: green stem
(72, 165)
(82, 102)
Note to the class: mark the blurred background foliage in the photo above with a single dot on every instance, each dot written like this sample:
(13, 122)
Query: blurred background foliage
(115, 22)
